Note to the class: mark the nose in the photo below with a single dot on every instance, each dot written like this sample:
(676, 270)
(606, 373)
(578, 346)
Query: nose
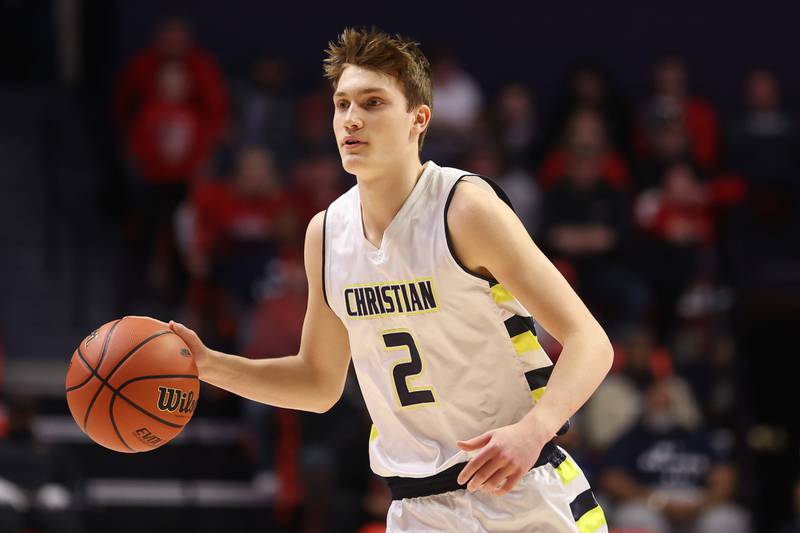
(352, 120)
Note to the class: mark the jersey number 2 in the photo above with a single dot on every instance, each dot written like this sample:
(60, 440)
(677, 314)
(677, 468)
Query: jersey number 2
(403, 371)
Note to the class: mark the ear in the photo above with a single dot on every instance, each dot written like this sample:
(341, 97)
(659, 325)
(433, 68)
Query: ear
(422, 118)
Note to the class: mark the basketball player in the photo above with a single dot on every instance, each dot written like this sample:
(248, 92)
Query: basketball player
(427, 280)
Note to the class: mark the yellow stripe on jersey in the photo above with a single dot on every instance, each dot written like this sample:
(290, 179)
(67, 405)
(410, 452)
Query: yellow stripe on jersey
(525, 342)
(591, 521)
(522, 332)
(501, 294)
(373, 433)
(536, 394)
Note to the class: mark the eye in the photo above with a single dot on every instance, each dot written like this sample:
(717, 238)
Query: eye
(374, 102)
(342, 104)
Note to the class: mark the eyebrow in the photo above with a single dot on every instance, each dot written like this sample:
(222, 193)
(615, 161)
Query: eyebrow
(362, 91)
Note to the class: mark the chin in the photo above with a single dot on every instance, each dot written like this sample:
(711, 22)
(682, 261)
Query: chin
(353, 163)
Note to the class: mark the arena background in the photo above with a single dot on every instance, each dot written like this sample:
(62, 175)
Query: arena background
(79, 246)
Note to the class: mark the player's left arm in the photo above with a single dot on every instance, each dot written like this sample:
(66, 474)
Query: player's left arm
(488, 237)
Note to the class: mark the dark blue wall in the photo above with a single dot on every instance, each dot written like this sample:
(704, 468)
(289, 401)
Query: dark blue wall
(499, 41)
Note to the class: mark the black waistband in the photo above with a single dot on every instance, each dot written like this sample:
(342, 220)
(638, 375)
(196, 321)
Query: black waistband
(446, 480)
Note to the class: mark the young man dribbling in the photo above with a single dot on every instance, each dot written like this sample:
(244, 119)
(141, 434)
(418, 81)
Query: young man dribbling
(425, 277)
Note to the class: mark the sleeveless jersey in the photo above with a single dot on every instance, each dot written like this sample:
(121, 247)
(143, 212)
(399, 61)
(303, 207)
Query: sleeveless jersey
(440, 354)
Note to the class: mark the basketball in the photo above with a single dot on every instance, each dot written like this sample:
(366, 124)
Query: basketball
(132, 385)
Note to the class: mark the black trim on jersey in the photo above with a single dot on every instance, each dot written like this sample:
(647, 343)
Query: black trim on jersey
(538, 378)
(447, 480)
(324, 289)
(582, 504)
(517, 324)
(500, 193)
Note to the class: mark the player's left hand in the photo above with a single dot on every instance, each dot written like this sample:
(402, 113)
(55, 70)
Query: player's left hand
(506, 454)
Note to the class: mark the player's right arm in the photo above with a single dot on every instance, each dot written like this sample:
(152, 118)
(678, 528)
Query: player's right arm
(313, 379)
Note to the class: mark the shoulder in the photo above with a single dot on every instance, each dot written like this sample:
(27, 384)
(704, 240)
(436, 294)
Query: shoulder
(471, 207)
(313, 249)
(315, 228)
(479, 228)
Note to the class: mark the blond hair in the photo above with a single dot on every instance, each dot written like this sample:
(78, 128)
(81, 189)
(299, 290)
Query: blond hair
(396, 56)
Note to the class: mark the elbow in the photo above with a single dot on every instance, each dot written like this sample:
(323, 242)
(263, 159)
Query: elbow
(325, 399)
(606, 353)
(603, 350)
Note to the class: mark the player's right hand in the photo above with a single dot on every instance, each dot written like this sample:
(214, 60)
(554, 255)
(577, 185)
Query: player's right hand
(200, 351)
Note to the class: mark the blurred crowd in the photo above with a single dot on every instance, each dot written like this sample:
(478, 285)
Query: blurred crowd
(653, 210)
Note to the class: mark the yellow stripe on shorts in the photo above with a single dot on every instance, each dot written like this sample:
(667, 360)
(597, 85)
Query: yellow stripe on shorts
(567, 471)
(588, 515)
(373, 433)
(591, 521)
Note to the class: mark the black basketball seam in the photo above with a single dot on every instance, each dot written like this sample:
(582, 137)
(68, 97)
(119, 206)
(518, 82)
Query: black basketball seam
(136, 348)
(106, 342)
(142, 409)
(88, 379)
(79, 385)
(114, 422)
(155, 376)
(131, 402)
(85, 362)
(104, 382)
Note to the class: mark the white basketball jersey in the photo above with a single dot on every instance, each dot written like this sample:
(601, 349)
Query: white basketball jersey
(441, 354)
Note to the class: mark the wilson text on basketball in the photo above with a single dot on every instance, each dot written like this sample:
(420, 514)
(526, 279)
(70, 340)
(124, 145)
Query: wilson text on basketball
(175, 400)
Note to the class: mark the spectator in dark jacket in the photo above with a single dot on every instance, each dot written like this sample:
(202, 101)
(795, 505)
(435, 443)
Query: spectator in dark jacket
(764, 145)
(667, 478)
(585, 226)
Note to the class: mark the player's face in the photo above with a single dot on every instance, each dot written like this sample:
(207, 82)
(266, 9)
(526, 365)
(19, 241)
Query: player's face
(373, 128)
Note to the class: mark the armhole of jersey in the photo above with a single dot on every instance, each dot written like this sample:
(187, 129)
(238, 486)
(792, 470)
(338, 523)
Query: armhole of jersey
(500, 193)
(324, 259)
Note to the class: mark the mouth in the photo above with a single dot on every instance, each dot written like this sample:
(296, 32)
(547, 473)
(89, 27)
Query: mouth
(351, 143)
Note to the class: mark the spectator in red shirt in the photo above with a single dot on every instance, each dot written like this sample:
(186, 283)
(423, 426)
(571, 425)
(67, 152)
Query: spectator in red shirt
(671, 87)
(167, 147)
(168, 142)
(678, 213)
(173, 43)
(242, 224)
(585, 130)
(679, 225)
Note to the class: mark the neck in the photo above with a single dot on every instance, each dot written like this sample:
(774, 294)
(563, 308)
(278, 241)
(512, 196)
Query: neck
(383, 195)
